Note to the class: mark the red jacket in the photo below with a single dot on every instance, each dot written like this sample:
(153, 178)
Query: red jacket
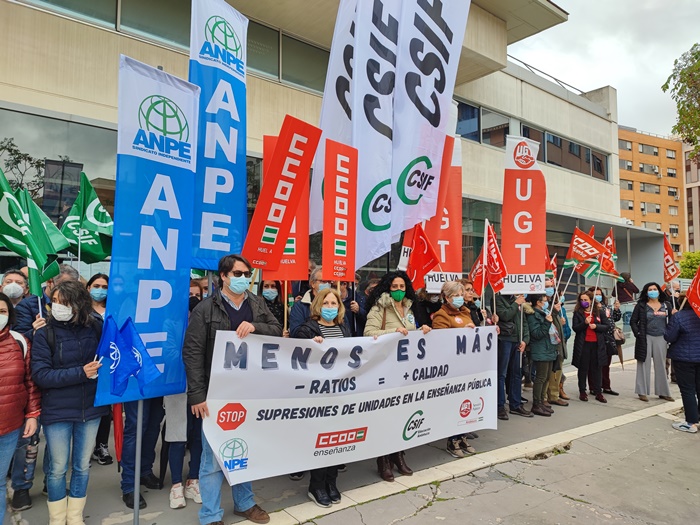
(19, 396)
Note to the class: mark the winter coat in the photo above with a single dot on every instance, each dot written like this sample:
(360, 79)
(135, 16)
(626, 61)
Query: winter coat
(540, 347)
(301, 310)
(509, 320)
(354, 321)
(424, 311)
(625, 291)
(683, 332)
(67, 394)
(19, 396)
(560, 348)
(393, 320)
(449, 317)
(613, 315)
(26, 312)
(311, 329)
(276, 307)
(206, 319)
(580, 327)
(638, 324)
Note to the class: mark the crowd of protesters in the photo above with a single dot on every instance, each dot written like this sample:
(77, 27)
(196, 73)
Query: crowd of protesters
(48, 369)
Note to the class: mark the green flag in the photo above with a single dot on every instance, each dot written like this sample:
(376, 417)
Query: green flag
(90, 224)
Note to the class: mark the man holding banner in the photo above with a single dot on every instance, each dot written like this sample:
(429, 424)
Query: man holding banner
(231, 307)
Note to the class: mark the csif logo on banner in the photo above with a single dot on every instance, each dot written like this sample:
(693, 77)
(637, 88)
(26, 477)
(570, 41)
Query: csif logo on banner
(414, 180)
(222, 45)
(164, 130)
(234, 454)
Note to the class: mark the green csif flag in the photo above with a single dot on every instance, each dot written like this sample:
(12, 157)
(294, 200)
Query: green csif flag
(89, 224)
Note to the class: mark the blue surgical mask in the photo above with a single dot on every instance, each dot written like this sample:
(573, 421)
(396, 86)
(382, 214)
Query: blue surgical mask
(549, 291)
(598, 298)
(545, 306)
(239, 285)
(270, 294)
(477, 303)
(329, 314)
(457, 302)
(653, 294)
(324, 286)
(98, 294)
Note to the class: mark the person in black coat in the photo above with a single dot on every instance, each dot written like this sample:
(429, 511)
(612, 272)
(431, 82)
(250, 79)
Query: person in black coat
(425, 306)
(590, 325)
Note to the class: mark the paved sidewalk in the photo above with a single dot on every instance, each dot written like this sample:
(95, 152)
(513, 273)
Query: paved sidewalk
(624, 443)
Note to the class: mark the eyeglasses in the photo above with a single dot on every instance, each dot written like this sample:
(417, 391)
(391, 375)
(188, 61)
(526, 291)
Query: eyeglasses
(238, 273)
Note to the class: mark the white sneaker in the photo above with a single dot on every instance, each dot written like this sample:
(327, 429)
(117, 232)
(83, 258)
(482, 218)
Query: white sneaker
(192, 491)
(177, 497)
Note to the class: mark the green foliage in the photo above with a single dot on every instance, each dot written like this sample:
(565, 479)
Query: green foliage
(21, 169)
(689, 264)
(684, 85)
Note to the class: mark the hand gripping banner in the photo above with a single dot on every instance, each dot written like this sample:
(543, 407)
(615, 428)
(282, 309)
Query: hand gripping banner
(151, 257)
(344, 400)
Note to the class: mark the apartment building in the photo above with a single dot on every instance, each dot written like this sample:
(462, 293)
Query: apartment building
(692, 196)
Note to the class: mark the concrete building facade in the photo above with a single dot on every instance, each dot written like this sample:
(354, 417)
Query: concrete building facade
(691, 170)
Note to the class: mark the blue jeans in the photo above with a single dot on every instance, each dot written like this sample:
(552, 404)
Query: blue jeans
(153, 413)
(176, 454)
(8, 445)
(509, 361)
(58, 438)
(210, 479)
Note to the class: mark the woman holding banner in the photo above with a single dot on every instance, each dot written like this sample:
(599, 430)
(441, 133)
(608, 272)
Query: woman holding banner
(327, 321)
(590, 325)
(389, 311)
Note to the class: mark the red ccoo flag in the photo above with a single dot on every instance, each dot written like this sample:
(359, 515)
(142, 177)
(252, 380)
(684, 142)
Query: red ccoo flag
(692, 295)
(477, 274)
(495, 265)
(671, 270)
(422, 259)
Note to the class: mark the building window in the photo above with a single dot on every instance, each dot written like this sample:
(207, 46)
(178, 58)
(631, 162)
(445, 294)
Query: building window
(536, 135)
(553, 139)
(626, 204)
(670, 154)
(673, 230)
(626, 184)
(624, 144)
(575, 149)
(671, 172)
(566, 154)
(626, 165)
(650, 207)
(600, 165)
(676, 248)
(673, 192)
(494, 128)
(673, 210)
(649, 150)
(166, 20)
(263, 51)
(649, 188)
(468, 121)
(104, 12)
(651, 226)
(651, 169)
(303, 64)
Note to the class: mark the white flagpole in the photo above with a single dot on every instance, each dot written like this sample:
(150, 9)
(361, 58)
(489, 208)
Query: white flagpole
(597, 282)
(484, 260)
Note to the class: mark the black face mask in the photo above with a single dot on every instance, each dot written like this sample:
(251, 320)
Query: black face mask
(194, 301)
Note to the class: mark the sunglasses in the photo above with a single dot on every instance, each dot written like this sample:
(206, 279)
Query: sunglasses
(238, 273)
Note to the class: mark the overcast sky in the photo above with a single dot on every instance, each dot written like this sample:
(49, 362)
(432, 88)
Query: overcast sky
(627, 44)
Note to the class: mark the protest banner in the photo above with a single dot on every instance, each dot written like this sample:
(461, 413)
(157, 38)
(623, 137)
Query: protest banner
(344, 400)
(524, 220)
(282, 191)
(218, 61)
(339, 213)
(152, 255)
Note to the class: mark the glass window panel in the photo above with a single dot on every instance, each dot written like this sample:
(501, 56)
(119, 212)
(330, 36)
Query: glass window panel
(494, 128)
(566, 154)
(600, 165)
(468, 121)
(303, 64)
(537, 136)
(624, 144)
(263, 49)
(167, 20)
(102, 11)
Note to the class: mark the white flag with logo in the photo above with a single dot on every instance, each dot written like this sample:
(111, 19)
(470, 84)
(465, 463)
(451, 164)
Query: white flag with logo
(429, 47)
(337, 104)
(377, 34)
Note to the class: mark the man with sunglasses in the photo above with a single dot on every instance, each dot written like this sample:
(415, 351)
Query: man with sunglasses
(302, 309)
(231, 307)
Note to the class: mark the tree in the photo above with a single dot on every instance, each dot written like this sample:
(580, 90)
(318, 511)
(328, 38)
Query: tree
(689, 264)
(684, 85)
(21, 169)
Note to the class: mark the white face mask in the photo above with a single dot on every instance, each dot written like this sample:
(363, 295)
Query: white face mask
(3, 321)
(61, 312)
(13, 290)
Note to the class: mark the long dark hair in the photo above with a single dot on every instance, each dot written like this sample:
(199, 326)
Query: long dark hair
(644, 294)
(278, 286)
(75, 295)
(384, 286)
(604, 301)
(95, 277)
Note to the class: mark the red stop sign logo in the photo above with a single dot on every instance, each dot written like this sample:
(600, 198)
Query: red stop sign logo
(231, 416)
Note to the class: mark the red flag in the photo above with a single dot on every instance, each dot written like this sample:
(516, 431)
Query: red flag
(582, 266)
(118, 430)
(282, 191)
(671, 270)
(495, 265)
(476, 275)
(422, 259)
(607, 259)
(550, 270)
(693, 293)
(582, 248)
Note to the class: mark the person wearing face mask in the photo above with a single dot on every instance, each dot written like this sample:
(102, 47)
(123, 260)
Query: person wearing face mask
(544, 340)
(65, 368)
(271, 292)
(302, 308)
(613, 314)
(590, 325)
(20, 398)
(648, 323)
(554, 386)
(14, 286)
(425, 307)
(327, 320)
(230, 307)
(389, 311)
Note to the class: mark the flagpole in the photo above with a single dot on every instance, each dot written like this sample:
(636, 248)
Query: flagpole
(484, 261)
(80, 229)
(597, 282)
(286, 305)
(137, 461)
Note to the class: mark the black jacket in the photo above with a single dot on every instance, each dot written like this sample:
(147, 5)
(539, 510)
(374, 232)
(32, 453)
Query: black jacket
(580, 327)
(311, 329)
(423, 311)
(26, 312)
(206, 319)
(638, 324)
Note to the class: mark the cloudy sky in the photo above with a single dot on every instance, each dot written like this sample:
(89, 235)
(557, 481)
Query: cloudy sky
(627, 44)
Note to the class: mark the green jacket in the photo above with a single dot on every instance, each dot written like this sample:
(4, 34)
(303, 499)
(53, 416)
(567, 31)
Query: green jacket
(541, 349)
(508, 315)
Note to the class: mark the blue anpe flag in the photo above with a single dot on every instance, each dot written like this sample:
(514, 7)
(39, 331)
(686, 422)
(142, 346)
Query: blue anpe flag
(118, 355)
(146, 371)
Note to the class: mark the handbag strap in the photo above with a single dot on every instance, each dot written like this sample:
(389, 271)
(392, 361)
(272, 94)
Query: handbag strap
(384, 319)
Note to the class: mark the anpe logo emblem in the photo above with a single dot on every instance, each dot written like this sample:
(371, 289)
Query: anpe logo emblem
(523, 155)
(413, 425)
(341, 437)
(164, 129)
(234, 454)
(115, 356)
(218, 31)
